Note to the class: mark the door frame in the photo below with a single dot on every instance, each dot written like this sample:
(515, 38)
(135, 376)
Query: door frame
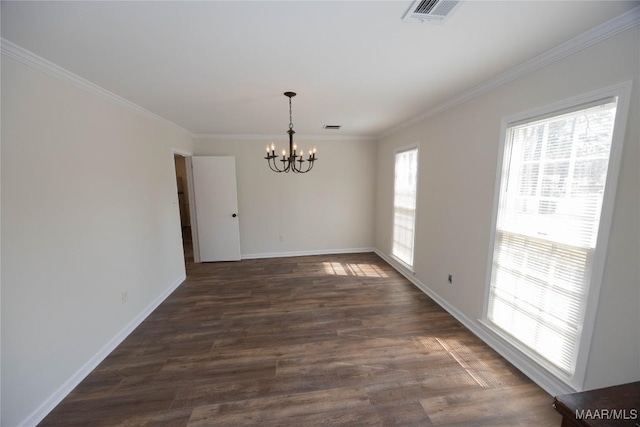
(190, 200)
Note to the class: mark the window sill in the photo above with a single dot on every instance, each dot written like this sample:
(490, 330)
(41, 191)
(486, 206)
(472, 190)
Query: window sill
(550, 378)
(403, 264)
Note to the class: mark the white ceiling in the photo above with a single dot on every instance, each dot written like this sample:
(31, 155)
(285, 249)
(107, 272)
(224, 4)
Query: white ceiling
(220, 67)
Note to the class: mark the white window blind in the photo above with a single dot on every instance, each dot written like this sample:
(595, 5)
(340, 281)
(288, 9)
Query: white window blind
(551, 192)
(404, 205)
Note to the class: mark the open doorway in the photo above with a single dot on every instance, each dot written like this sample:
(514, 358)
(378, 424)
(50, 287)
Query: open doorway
(183, 204)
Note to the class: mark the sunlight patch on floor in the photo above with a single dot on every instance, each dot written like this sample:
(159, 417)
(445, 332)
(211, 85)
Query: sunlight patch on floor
(464, 365)
(456, 351)
(346, 269)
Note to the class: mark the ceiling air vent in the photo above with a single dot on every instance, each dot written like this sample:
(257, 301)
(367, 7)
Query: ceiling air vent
(429, 10)
(335, 127)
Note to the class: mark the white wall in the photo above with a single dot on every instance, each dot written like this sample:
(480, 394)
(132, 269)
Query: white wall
(89, 210)
(328, 209)
(457, 170)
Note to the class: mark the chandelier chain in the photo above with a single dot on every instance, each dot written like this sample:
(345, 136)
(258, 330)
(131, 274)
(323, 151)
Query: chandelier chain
(290, 115)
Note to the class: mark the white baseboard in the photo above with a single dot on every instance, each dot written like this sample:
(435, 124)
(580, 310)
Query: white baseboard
(547, 381)
(307, 253)
(52, 401)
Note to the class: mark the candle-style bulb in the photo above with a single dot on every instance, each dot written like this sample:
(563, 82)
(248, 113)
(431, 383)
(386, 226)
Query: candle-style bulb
(295, 146)
(314, 150)
(273, 146)
(267, 149)
(283, 152)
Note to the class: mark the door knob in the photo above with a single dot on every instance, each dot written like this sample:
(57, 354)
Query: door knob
(234, 215)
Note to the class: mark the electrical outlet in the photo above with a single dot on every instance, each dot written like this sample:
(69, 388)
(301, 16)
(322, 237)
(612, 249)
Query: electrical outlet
(282, 237)
(125, 297)
(450, 279)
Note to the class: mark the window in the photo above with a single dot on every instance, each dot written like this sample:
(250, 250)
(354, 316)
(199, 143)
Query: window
(552, 187)
(404, 205)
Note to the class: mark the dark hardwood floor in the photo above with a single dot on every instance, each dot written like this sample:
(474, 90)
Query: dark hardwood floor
(305, 341)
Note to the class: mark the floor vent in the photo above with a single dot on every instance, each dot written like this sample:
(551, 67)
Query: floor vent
(429, 10)
(335, 127)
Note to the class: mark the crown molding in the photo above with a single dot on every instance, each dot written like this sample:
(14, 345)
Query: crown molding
(595, 35)
(26, 57)
(257, 137)
(601, 32)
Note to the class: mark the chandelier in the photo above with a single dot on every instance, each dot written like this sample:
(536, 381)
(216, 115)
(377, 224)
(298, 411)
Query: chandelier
(293, 161)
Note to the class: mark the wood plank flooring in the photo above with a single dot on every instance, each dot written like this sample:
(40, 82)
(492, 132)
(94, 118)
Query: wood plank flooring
(304, 341)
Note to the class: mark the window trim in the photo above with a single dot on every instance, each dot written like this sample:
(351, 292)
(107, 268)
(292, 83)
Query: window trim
(623, 92)
(397, 151)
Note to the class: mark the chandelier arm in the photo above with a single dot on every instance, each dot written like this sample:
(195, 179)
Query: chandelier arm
(300, 169)
(271, 167)
(274, 165)
(286, 165)
(271, 161)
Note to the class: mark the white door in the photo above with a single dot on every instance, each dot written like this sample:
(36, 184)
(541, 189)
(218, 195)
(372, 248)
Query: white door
(216, 200)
